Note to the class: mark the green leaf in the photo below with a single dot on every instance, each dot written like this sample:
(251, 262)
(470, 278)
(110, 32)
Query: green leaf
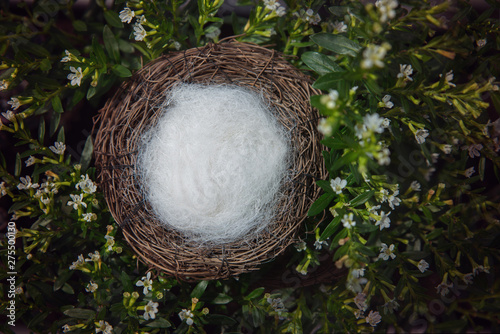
(219, 319)
(325, 185)
(160, 323)
(111, 44)
(98, 52)
(337, 43)
(320, 63)
(121, 71)
(258, 316)
(80, 313)
(334, 143)
(57, 105)
(482, 165)
(331, 228)
(62, 279)
(79, 25)
(321, 203)
(199, 289)
(54, 123)
(113, 19)
(60, 135)
(434, 234)
(18, 166)
(91, 92)
(329, 81)
(365, 250)
(45, 65)
(41, 130)
(255, 293)
(222, 299)
(362, 198)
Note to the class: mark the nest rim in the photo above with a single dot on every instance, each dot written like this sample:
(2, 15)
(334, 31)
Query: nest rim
(132, 110)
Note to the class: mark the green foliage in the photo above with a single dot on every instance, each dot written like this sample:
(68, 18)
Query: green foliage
(409, 210)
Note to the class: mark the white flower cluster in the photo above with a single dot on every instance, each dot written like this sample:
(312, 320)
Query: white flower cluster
(373, 55)
(277, 305)
(386, 9)
(309, 16)
(58, 148)
(405, 72)
(86, 185)
(339, 27)
(104, 327)
(187, 316)
(126, 16)
(275, 6)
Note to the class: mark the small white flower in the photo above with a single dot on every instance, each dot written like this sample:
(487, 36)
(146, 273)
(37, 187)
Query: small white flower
(405, 71)
(393, 200)
(14, 103)
(213, 34)
(177, 45)
(104, 327)
(354, 284)
(186, 315)
(372, 56)
(9, 115)
(428, 173)
(339, 27)
(468, 278)
(301, 246)
(141, 19)
(77, 263)
(86, 185)
(387, 101)
(358, 272)
(94, 257)
(386, 123)
(4, 84)
(338, 184)
(469, 171)
(126, 15)
(30, 161)
(373, 318)
(373, 122)
(348, 221)
(384, 221)
(281, 11)
(390, 306)
(139, 32)
(76, 76)
(76, 201)
(110, 242)
(474, 150)
(420, 135)
(448, 78)
(360, 301)
(443, 288)
(330, 99)
(91, 287)
(311, 17)
(423, 266)
(88, 217)
(447, 148)
(415, 186)
(146, 283)
(386, 9)
(66, 328)
(385, 194)
(386, 252)
(150, 310)
(481, 42)
(324, 127)
(58, 148)
(383, 157)
(479, 269)
(318, 244)
(67, 57)
(26, 183)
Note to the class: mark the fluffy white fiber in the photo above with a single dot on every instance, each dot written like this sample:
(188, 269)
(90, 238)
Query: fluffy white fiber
(213, 164)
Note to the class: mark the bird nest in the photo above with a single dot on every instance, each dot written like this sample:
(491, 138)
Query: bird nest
(134, 109)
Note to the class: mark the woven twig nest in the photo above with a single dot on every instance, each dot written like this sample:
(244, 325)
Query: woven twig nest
(134, 109)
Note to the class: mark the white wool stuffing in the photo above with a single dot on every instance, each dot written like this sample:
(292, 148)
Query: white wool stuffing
(213, 165)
